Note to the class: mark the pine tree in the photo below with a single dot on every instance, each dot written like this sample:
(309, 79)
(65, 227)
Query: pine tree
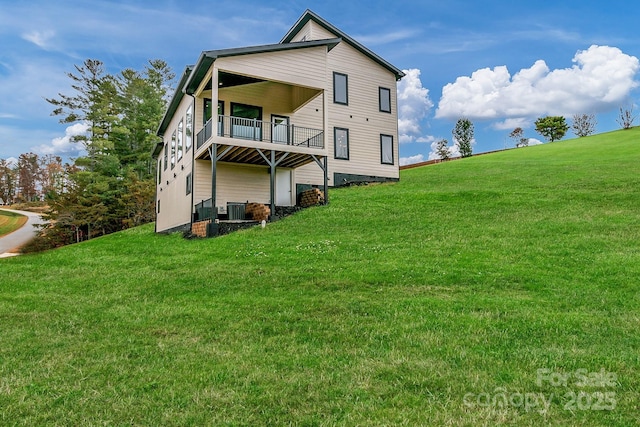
(552, 128)
(112, 187)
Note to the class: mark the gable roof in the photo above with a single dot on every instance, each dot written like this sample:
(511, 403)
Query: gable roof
(309, 15)
(209, 56)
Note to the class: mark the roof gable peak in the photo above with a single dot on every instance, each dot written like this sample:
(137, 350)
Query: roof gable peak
(309, 15)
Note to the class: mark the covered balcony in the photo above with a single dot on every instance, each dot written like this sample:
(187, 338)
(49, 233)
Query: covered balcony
(260, 107)
(273, 132)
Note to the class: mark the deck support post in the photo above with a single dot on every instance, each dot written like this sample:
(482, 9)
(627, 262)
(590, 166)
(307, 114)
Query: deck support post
(272, 183)
(322, 163)
(213, 154)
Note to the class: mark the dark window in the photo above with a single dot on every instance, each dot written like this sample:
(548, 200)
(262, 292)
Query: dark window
(341, 143)
(166, 155)
(180, 138)
(173, 150)
(188, 133)
(385, 99)
(220, 120)
(189, 184)
(159, 171)
(340, 89)
(246, 121)
(386, 149)
(206, 111)
(158, 206)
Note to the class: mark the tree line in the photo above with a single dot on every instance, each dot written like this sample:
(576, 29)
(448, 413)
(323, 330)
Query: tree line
(111, 187)
(31, 178)
(552, 128)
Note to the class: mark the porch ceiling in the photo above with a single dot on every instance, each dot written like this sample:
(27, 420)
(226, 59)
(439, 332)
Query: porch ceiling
(229, 80)
(251, 156)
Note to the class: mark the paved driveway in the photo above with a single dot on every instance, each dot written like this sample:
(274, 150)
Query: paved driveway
(22, 235)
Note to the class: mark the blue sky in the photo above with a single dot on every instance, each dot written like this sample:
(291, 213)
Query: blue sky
(500, 63)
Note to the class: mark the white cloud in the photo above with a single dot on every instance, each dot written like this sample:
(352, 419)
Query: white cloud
(384, 38)
(64, 145)
(413, 105)
(39, 38)
(602, 78)
(512, 123)
(411, 160)
(12, 161)
(533, 141)
(428, 139)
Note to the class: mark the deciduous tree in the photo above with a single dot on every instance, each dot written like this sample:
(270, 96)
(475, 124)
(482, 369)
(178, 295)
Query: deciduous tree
(442, 149)
(51, 175)
(626, 117)
(583, 124)
(463, 136)
(28, 176)
(8, 181)
(518, 137)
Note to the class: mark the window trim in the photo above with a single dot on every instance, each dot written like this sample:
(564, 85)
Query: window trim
(335, 143)
(382, 136)
(189, 182)
(346, 88)
(380, 98)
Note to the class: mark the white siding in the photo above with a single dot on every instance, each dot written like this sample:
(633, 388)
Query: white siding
(175, 203)
(297, 66)
(235, 183)
(362, 116)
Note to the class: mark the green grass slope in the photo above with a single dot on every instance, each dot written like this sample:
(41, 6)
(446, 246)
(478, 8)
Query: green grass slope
(476, 292)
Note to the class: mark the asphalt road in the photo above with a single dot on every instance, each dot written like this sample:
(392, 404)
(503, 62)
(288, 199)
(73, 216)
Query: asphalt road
(22, 235)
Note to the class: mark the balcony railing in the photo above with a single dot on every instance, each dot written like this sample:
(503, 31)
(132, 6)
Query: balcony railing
(258, 130)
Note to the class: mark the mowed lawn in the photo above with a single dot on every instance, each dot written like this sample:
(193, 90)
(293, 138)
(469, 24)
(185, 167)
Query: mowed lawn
(496, 290)
(10, 221)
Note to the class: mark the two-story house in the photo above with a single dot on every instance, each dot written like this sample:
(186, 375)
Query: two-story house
(264, 123)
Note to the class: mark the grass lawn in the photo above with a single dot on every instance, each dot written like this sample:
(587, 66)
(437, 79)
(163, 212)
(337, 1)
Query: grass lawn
(426, 302)
(10, 221)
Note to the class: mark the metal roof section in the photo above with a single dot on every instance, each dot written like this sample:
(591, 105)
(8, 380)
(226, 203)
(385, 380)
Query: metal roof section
(209, 56)
(310, 15)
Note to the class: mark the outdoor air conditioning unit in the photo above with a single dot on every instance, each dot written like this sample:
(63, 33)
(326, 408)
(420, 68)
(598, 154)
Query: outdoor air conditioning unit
(236, 210)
